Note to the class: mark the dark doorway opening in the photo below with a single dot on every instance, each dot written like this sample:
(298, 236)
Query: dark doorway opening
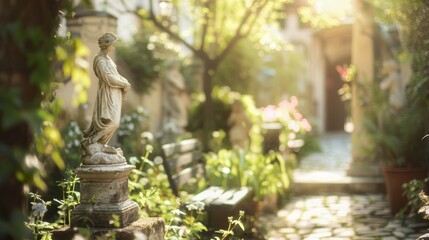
(336, 114)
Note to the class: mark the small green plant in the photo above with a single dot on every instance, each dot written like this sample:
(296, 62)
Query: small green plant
(232, 224)
(149, 187)
(411, 192)
(424, 210)
(265, 174)
(41, 230)
(70, 198)
(186, 224)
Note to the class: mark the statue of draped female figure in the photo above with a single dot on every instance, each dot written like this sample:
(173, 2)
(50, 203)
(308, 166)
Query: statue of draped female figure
(111, 92)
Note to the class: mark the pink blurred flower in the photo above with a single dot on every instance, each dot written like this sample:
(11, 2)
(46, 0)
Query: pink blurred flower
(294, 101)
(285, 104)
(342, 71)
(269, 113)
(297, 115)
(306, 125)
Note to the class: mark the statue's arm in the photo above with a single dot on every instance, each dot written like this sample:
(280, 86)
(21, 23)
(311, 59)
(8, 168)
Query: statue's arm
(113, 80)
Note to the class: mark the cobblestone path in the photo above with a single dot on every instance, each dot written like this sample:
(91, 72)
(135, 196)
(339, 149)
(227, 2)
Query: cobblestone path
(335, 154)
(336, 216)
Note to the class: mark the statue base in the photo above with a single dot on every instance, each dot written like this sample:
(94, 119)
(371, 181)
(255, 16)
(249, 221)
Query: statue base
(104, 193)
(145, 228)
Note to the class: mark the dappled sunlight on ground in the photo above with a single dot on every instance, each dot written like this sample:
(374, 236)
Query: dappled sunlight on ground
(338, 217)
(335, 214)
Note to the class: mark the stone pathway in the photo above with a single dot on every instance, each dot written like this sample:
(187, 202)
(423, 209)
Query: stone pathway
(336, 216)
(335, 154)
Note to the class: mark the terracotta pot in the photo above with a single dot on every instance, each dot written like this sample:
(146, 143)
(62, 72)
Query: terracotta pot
(394, 178)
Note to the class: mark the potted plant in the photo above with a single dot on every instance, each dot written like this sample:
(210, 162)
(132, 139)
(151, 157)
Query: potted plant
(397, 135)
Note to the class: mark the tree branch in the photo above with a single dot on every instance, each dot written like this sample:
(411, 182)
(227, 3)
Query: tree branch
(237, 36)
(205, 26)
(256, 16)
(172, 34)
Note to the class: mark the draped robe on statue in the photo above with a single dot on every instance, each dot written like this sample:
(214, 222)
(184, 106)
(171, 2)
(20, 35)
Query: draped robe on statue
(108, 104)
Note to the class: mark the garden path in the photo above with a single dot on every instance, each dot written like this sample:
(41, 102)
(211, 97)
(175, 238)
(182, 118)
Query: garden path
(335, 214)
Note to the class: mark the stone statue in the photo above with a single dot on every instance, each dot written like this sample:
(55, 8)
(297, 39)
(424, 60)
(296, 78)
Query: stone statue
(239, 125)
(112, 90)
(176, 100)
(393, 83)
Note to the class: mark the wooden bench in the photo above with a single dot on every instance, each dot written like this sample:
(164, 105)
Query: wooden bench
(184, 164)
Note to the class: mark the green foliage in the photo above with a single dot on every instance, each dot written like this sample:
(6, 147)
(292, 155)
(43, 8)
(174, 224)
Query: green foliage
(71, 63)
(294, 127)
(132, 135)
(29, 67)
(396, 137)
(148, 184)
(149, 187)
(240, 68)
(41, 117)
(400, 134)
(232, 224)
(39, 228)
(265, 174)
(70, 198)
(321, 14)
(410, 17)
(214, 24)
(186, 224)
(348, 75)
(424, 210)
(414, 204)
(145, 56)
(42, 229)
(71, 135)
(257, 64)
(223, 98)
(288, 79)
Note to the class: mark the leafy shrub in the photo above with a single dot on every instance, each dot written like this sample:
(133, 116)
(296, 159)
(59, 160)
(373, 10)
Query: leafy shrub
(411, 192)
(265, 174)
(295, 130)
(223, 99)
(131, 132)
(72, 136)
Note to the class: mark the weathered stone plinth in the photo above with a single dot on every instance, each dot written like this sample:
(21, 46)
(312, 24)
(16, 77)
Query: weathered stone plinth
(104, 193)
(151, 228)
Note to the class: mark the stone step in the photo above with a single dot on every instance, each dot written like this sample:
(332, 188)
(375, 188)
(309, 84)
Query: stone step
(322, 182)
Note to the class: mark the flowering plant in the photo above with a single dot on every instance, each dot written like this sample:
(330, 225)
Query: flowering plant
(40, 229)
(348, 74)
(294, 126)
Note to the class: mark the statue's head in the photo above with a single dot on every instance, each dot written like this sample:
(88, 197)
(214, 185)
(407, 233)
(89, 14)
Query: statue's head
(106, 40)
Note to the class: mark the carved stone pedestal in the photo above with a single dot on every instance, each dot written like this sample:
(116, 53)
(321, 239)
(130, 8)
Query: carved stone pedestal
(104, 193)
(145, 228)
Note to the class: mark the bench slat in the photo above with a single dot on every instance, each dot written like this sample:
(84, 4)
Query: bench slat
(184, 176)
(237, 196)
(183, 146)
(209, 195)
(183, 161)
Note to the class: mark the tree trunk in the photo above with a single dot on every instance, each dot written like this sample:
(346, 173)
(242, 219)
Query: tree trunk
(208, 104)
